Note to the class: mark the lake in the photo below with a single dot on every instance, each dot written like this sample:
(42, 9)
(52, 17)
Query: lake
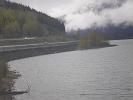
(93, 74)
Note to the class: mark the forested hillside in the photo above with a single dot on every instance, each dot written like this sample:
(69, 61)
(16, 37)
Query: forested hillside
(111, 32)
(18, 21)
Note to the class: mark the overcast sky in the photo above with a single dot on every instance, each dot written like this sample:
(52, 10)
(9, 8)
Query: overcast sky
(82, 14)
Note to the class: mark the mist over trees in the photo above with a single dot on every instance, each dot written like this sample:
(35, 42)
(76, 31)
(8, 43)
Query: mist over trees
(17, 20)
(111, 32)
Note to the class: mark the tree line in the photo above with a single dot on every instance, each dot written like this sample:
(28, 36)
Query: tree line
(17, 20)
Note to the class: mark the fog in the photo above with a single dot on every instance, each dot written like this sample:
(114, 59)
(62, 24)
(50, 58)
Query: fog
(82, 14)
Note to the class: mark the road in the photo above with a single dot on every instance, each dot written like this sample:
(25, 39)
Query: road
(30, 46)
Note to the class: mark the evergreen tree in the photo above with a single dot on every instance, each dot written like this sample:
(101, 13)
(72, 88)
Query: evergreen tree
(17, 20)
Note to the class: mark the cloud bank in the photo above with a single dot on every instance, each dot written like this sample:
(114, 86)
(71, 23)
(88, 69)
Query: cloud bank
(100, 13)
(82, 14)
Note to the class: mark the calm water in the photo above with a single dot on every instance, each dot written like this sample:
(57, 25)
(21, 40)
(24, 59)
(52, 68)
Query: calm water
(96, 74)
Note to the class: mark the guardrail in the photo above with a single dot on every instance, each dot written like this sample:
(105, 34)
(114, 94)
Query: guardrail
(32, 46)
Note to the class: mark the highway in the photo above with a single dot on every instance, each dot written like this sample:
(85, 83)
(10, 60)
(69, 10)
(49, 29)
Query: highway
(31, 46)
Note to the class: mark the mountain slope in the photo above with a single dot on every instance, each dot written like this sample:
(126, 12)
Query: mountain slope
(17, 20)
(111, 32)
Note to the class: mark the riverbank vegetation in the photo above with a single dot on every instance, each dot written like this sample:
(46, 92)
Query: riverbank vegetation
(6, 76)
(93, 40)
(3, 68)
(6, 79)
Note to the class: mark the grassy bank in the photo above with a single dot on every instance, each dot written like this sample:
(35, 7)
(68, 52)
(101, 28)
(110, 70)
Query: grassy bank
(6, 79)
(3, 68)
(6, 76)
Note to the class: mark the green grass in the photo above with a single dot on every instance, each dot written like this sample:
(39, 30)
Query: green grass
(3, 68)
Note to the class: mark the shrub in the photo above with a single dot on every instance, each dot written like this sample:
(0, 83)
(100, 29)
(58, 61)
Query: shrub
(93, 40)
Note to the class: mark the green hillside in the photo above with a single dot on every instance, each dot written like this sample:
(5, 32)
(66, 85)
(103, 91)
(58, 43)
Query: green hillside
(18, 21)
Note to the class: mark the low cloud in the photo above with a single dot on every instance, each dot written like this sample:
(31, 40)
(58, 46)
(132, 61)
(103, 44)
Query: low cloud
(82, 14)
(100, 14)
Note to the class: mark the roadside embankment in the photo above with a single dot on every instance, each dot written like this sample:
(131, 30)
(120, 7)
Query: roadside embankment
(22, 51)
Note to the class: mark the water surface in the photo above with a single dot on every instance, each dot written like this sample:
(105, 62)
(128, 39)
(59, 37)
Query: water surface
(94, 74)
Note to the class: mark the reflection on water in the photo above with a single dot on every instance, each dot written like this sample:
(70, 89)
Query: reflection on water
(96, 74)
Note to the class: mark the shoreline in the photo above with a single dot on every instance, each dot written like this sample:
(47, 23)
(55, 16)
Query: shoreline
(8, 80)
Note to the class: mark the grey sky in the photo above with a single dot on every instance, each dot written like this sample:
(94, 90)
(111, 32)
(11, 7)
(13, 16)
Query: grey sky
(86, 13)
